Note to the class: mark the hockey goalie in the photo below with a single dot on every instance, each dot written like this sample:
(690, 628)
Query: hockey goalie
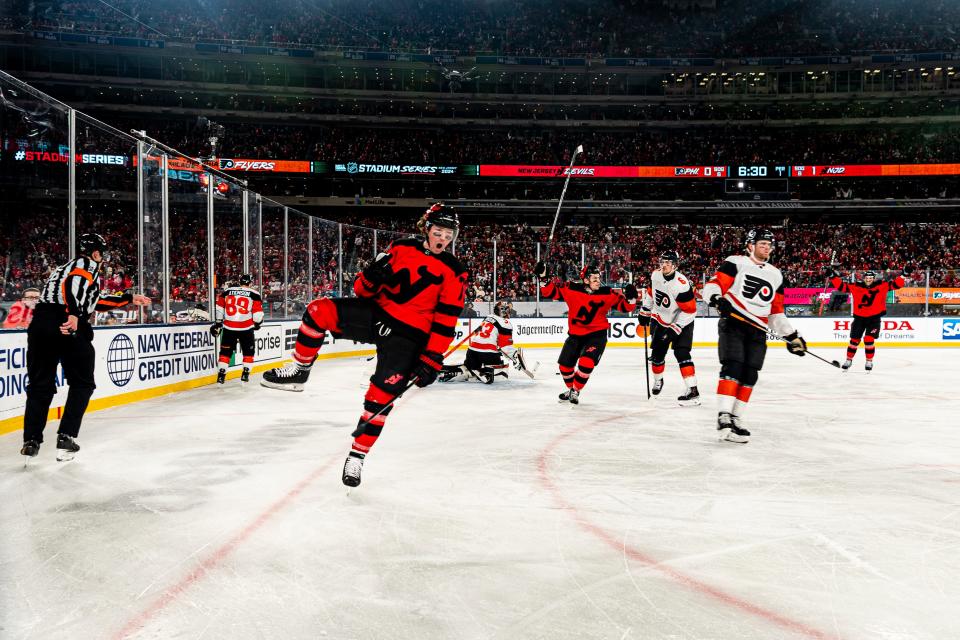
(490, 352)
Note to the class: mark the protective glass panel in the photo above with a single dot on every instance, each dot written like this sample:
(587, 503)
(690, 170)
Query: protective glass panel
(227, 233)
(326, 260)
(273, 259)
(188, 241)
(33, 196)
(298, 263)
(153, 234)
(357, 248)
(107, 204)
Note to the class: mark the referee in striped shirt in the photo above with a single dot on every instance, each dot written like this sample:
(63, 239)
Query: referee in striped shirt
(61, 334)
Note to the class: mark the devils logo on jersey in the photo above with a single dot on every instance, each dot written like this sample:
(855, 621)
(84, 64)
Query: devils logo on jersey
(868, 298)
(754, 287)
(407, 289)
(663, 300)
(587, 313)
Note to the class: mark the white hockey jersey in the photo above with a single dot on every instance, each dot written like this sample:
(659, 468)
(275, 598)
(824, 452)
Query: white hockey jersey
(669, 300)
(754, 288)
(239, 308)
(496, 333)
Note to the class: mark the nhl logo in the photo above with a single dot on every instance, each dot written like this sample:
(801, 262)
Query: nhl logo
(352, 167)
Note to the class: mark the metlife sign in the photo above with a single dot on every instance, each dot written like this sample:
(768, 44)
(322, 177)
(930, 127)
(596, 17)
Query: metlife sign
(400, 169)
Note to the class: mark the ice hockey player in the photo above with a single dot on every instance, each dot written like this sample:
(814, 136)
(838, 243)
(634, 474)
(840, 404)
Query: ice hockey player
(239, 313)
(869, 299)
(588, 303)
(408, 302)
(61, 334)
(670, 308)
(490, 351)
(747, 290)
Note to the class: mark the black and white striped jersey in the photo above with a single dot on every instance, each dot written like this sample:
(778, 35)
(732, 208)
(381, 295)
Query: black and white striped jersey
(75, 285)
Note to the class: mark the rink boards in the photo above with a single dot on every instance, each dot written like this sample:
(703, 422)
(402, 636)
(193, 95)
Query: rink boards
(137, 363)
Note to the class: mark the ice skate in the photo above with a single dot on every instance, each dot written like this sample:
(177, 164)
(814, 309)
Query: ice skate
(221, 376)
(690, 399)
(868, 365)
(245, 376)
(730, 431)
(574, 397)
(351, 469)
(846, 364)
(30, 448)
(289, 378)
(657, 387)
(565, 396)
(67, 447)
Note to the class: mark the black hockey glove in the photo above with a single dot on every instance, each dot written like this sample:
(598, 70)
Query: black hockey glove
(643, 321)
(426, 370)
(256, 326)
(540, 270)
(723, 306)
(215, 329)
(829, 273)
(630, 292)
(796, 344)
(378, 271)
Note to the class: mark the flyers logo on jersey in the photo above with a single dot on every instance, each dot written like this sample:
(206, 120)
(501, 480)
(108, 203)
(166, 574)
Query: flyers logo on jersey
(663, 300)
(405, 289)
(754, 287)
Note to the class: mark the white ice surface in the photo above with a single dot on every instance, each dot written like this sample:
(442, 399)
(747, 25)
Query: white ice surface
(499, 513)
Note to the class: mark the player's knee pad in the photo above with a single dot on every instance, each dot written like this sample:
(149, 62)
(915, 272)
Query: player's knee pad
(586, 364)
(868, 340)
(749, 377)
(732, 371)
(683, 355)
(321, 315)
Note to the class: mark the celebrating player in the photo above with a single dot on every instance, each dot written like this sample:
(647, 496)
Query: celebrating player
(490, 347)
(239, 313)
(748, 292)
(869, 306)
(670, 303)
(587, 306)
(408, 302)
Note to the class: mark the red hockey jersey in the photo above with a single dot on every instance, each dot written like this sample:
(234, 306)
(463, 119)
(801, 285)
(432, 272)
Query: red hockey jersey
(423, 296)
(586, 310)
(868, 302)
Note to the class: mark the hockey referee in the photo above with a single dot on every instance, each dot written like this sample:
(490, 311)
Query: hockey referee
(61, 334)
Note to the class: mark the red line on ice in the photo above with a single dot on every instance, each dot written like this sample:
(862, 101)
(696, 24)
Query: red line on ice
(216, 558)
(650, 562)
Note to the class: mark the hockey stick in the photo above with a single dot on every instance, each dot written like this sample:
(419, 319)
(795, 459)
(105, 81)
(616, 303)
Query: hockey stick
(779, 337)
(362, 427)
(646, 358)
(524, 370)
(563, 194)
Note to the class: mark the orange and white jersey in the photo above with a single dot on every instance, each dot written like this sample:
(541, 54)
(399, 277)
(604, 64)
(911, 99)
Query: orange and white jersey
(496, 333)
(754, 288)
(239, 308)
(669, 300)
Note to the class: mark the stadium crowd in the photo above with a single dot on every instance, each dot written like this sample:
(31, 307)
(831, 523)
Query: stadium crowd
(537, 27)
(36, 245)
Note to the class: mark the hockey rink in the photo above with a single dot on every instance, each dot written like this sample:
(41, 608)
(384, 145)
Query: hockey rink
(495, 512)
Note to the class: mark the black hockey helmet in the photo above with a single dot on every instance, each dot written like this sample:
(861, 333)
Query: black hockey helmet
(671, 255)
(588, 270)
(442, 216)
(90, 242)
(869, 274)
(245, 280)
(502, 309)
(756, 235)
